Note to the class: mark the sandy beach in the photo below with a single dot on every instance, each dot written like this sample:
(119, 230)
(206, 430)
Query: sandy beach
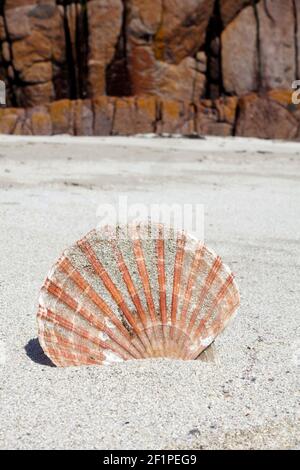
(50, 189)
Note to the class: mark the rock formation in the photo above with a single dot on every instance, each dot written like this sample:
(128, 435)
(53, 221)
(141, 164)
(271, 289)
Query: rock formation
(120, 67)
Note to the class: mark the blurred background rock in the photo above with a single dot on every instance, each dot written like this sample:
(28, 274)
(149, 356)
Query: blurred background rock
(122, 67)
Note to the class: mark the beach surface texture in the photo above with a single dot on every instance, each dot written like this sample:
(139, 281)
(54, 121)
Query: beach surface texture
(248, 396)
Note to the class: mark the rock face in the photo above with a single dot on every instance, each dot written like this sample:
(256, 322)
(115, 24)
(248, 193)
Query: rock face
(112, 67)
(105, 21)
(230, 8)
(239, 54)
(265, 117)
(32, 44)
(277, 43)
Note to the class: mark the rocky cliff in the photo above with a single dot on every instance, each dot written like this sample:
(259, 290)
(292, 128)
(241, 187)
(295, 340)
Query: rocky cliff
(118, 67)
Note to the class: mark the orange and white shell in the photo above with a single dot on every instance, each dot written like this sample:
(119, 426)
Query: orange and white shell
(143, 292)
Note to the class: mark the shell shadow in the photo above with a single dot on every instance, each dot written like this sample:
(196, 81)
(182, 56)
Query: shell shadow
(36, 354)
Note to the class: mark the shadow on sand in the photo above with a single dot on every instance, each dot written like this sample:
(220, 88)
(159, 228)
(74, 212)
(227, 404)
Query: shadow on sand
(36, 354)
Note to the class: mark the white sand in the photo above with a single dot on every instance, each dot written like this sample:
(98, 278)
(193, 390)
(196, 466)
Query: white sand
(50, 189)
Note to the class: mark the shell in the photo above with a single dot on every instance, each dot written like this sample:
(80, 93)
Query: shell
(134, 292)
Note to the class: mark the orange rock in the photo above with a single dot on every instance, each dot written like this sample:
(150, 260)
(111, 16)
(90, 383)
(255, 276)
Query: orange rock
(262, 117)
(37, 38)
(38, 94)
(161, 45)
(226, 108)
(9, 119)
(30, 50)
(17, 22)
(176, 118)
(282, 96)
(145, 116)
(182, 82)
(105, 20)
(19, 3)
(103, 110)
(142, 67)
(277, 44)
(37, 73)
(39, 120)
(83, 118)
(230, 8)
(124, 117)
(217, 117)
(2, 29)
(183, 29)
(62, 117)
(239, 54)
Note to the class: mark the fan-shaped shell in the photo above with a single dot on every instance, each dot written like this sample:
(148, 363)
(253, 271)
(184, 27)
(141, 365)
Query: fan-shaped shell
(133, 293)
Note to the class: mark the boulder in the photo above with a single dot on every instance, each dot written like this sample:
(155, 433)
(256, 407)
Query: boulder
(216, 117)
(39, 121)
(239, 54)
(124, 117)
(37, 94)
(145, 115)
(263, 117)
(9, 119)
(103, 111)
(162, 39)
(105, 21)
(230, 8)
(277, 43)
(36, 34)
(176, 118)
(62, 117)
(83, 118)
(182, 30)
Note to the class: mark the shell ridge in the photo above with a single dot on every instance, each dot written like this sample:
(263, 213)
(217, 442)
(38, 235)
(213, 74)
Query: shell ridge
(67, 267)
(65, 343)
(161, 271)
(205, 289)
(131, 289)
(129, 284)
(111, 287)
(190, 284)
(180, 244)
(160, 247)
(77, 330)
(217, 330)
(196, 263)
(143, 272)
(220, 295)
(140, 260)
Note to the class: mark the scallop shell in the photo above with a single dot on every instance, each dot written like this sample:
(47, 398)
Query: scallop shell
(134, 292)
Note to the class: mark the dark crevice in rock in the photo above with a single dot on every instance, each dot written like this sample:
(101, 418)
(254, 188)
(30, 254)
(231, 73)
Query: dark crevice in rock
(113, 119)
(72, 82)
(82, 49)
(266, 8)
(117, 78)
(76, 68)
(236, 119)
(214, 87)
(296, 33)
(258, 46)
(158, 115)
(195, 114)
(158, 36)
(12, 83)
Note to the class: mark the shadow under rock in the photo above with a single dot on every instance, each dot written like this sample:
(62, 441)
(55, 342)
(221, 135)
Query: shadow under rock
(36, 354)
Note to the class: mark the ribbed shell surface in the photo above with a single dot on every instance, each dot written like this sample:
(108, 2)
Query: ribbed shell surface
(132, 293)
